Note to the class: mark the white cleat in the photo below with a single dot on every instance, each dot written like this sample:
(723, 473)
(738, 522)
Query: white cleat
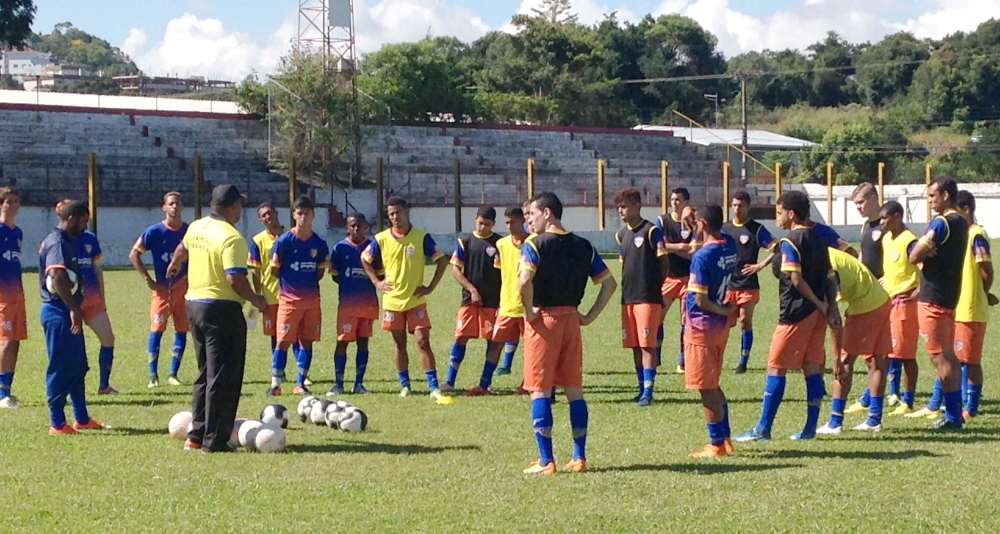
(869, 428)
(829, 430)
(405, 392)
(10, 402)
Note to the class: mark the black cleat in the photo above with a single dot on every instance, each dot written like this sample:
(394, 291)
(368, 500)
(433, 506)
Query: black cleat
(740, 369)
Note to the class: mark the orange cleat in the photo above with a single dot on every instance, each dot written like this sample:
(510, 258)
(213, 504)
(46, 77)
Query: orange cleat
(191, 445)
(729, 446)
(710, 451)
(107, 391)
(93, 424)
(478, 391)
(300, 390)
(534, 468)
(65, 429)
(966, 416)
(522, 391)
(577, 465)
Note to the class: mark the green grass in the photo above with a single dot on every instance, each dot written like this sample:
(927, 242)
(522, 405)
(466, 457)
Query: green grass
(429, 468)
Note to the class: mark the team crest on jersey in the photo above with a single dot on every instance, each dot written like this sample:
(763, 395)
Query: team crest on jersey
(894, 255)
(685, 233)
(895, 342)
(645, 333)
(313, 252)
(744, 239)
(491, 251)
(876, 235)
(420, 314)
(959, 345)
(638, 241)
(88, 248)
(409, 250)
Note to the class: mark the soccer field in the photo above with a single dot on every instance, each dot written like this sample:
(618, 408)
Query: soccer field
(423, 467)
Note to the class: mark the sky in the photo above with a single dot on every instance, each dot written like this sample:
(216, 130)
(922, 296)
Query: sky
(229, 39)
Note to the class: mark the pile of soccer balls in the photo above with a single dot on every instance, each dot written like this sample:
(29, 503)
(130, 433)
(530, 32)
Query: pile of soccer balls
(264, 435)
(334, 414)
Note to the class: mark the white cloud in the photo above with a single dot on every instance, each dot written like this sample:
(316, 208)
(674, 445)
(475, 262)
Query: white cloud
(393, 21)
(588, 11)
(950, 16)
(135, 41)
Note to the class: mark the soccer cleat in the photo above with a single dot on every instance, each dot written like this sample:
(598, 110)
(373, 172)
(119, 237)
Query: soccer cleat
(679, 370)
(404, 392)
(576, 465)
(710, 451)
(447, 387)
(944, 425)
(829, 430)
(502, 371)
(535, 468)
(300, 390)
(93, 424)
(107, 391)
(728, 444)
(62, 430)
(154, 382)
(335, 390)
(801, 436)
(902, 409)
(967, 416)
(521, 391)
(307, 382)
(892, 400)
(644, 400)
(358, 388)
(191, 445)
(855, 408)
(173, 381)
(275, 391)
(923, 412)
(740, 369)
(10, 402)
(478, 391)
(868, 428)
(751, 435)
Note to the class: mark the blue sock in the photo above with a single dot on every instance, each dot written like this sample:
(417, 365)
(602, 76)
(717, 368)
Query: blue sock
(153, 350)
(965, 383)
(432, 379)
(895, 376)
(360, 366)
(866, 398)
(180, 343)
(934, 403)
(578, 417)
(648, 380)
(296, 348)
(746, 343)
(541, 421)
(680, 357)
(274, 343)
(975, 394)
(339, 364)
(725, 419)
(908, 398)
(815, 391)
(659, 345)
(837, 407)
(487, 377)
(774, 392)
(457, 355)
(953, 406)
(279, 360)
(875, 411)
(304, 363)
(639, 377)
(404, 378)
(6, 381)
(105, 359)
(507, 360)
(716, 433)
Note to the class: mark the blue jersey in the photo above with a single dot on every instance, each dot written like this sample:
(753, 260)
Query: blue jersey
(11, 288)
(55, 253)
(830, 236)
(357, 293)
(88, 254)
(711, 268)
(161, 241)
(299, 262)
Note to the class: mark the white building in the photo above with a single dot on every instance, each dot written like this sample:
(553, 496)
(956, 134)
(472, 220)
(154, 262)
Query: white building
(23, 63)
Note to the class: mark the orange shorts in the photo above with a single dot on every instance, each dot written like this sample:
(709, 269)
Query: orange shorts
(508, 329)
(553, 350)
(869, 334)
(969, 339)
(703, 353)
(270, 319)
(742, 297)
(639, 325)
(674, 287)
(903, 322)
(937, 327)
(13, 321)
(475, 322)
(412, 320)
(795, 344)
(299, 323)
(93, 306)
(350, 326)
(167, 304)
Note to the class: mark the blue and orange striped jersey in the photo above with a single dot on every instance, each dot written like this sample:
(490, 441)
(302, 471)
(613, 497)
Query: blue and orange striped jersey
(11, 288)
(711, 268)
(88, 253)
(161, 241)
(357, 293)
(300, 264)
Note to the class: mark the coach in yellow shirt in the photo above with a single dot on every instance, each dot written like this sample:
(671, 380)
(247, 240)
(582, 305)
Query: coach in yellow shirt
(216, 253)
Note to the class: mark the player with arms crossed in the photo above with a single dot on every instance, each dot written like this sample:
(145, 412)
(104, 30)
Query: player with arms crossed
(299, 260)
(510, 317)
(95, 311)
(403, 252)
(678, 234)
(805, 289)
(644, 265)
(708, 317)
(744, 287)
(358, 305)
(161, 239)
(13, 316)
(259, 264)
(555, 266)
(473, 265)
(901, 280)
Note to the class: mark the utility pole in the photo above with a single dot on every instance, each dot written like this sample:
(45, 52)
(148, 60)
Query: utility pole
(743, 100)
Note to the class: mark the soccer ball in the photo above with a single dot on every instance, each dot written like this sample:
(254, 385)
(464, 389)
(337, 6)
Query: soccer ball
(50, 285)
(353, 420)
(305, 406)
(248, 433)
(234, 438)
(180, 425)
(318, 413)
(269, 438)
(333, 412)
(344, 405)
(275, 414)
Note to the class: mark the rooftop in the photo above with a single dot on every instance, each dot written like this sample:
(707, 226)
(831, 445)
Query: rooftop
(722, 137)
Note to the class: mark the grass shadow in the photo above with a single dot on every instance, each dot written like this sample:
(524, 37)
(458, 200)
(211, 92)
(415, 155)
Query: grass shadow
(845, 455)
(132, 431)
(697, 469)
(380, 448)
(134, 402)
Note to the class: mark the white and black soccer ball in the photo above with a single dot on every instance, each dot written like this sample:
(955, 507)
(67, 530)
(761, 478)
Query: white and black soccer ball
(274, 414)
(180, 425)
(50, 285)
(344, 405)
(333, 412)
(269, 438)
(353, 420)
(248, 433)
(318, 413)
(305, 406)
(234, 437)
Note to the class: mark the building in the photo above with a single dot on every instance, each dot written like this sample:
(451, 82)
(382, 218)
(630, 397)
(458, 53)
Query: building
(140, 83)
(21, 64)
(56, 74)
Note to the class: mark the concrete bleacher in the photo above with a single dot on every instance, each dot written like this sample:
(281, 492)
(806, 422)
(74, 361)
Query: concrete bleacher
(419, 163)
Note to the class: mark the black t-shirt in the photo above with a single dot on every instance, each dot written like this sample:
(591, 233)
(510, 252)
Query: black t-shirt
(673, 232)
(804, 250)
(750, 237)
(871, 246)
(475, 255)
(562, 263)
(941, 276)
(641, 275)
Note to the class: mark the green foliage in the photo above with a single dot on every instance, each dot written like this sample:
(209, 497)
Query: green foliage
(8, 82)
(499, 108)
(16, 17)
(91, 86)
(73, 45)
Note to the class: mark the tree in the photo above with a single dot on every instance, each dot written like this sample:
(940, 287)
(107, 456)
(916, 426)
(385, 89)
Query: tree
(832, 81)
(16, 17)
(91, 86)
(885, 70)
(73, 45)
(556, 11)
(8, 82)
(777, 78)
